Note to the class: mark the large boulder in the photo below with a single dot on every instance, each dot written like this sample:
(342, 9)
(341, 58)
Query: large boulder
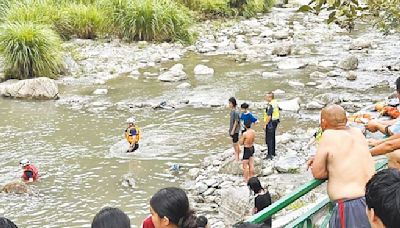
(174, 74)
(16, 188)
(203, 70)
(37, 88)
(288, 164)
(234, 204)
(349, 63)
(290, 105)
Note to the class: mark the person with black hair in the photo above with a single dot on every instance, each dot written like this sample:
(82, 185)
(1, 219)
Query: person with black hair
(246, 115)
(247, 140)
(234, 126)
(202, 222)
(262, 199)
(169, 208)
(6, 223)
(110, 217)
(382, 195)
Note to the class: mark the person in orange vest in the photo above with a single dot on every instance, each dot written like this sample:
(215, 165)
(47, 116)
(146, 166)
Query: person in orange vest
(30, 172)
(132, 135)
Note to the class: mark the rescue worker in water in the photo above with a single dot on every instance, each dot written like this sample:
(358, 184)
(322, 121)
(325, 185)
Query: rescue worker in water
(132, 135)
(30, 172)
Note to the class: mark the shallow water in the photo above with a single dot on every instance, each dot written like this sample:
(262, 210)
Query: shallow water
(71, 147)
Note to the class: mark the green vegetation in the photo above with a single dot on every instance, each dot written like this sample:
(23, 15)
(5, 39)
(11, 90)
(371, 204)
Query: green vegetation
(30, 50)
(385, 13)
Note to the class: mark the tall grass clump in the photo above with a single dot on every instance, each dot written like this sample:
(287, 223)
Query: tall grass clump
(208, 7)
(158, 20)
(30, 50)
(85, 21)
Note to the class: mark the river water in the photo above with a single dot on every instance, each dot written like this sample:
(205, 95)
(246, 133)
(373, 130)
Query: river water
(71, 146)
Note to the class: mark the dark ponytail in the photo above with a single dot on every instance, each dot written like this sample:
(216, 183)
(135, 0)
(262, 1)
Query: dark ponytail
(173, 203)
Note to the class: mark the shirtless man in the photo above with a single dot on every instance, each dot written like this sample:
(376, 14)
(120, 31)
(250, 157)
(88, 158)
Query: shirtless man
(344, 159)
(247, 140)
(390, 147)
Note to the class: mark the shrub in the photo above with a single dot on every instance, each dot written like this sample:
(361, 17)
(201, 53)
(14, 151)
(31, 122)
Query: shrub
(30, 50)
(159, 20)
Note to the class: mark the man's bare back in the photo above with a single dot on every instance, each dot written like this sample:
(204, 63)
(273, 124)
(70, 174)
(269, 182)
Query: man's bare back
(249, 137)
(349, 163)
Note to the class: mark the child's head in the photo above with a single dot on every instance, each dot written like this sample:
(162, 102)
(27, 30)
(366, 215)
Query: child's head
(202, 221)
(247, 123)
(244, 107)
(254, 185)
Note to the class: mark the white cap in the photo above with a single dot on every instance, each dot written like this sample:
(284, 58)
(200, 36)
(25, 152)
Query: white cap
(131, 120)
(24, 162)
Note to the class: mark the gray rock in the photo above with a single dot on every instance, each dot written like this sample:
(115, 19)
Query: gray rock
(291, 64)
(183, 85)
(311, 84)
(194, 173)
(128, 180)
(209, 192)
(351, 76)
(100, 92)
(290, 105)
(281, 35)
(349, 63)
(234, 204)
(266, 32)
(360, 44)
(296, 84)
(203, 70)
(210, 182)
(284, 138)
(314, 105)
(201, 187)
(279, 91)
(327, 84)
(317, 75)
(174, 74)
(288, 164)
(326, 63)
(37, 88)
(282, 49)
(327, 98)
(333, 74)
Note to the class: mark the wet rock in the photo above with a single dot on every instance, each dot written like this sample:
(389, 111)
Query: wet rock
(334, 73)
(203, 70)
(234, 204)
(360, 44)
(351, 76)
(282, 49)
(100, 92)
(314, 105)
(288, 164)
(37, 88)
(128, 180)
(296, 84)
(174, 74)
(327, 98)
(317, 75)
(290, 105)
(16, 188)
(291, 64)
(349, 63)
(270, 75)
(201, 187)
(183, 85)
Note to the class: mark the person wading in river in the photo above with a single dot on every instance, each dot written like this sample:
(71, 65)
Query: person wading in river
(271, 121)
(343, 158)
(247, 140)
(132, 135)
(234, 126)
(30, 172)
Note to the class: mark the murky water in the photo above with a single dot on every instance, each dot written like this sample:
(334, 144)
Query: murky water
(71, 147)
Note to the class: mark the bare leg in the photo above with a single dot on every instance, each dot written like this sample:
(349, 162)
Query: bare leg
(246, 170)
(251, 167)
(236, 148)
(394, 159)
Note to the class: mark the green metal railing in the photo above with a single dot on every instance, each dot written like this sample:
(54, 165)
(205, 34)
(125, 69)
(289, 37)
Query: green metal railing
(306, 218)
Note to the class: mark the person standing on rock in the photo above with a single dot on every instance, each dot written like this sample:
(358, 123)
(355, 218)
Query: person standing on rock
(271, 121)
(234, 126)
(247, 140)
(246, 115)
(343, 158)
(30, 172)
(132, 135)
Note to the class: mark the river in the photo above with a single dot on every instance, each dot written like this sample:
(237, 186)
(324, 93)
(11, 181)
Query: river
(71, 146)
